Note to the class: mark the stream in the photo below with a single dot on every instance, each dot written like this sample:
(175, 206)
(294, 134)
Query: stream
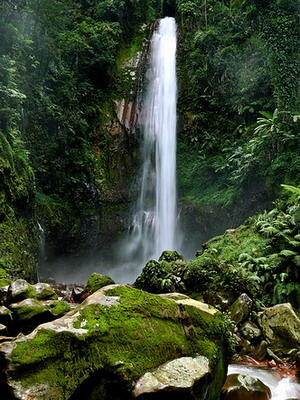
(283, 386)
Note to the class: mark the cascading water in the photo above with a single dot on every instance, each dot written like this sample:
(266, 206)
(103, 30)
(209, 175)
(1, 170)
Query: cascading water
(281, 388)
(154, 223)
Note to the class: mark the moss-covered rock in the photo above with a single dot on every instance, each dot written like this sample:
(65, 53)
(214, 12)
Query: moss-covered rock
(118, 331)
(43, 291)
(169, 255)
(20, 290)
(281, 326)
(96, 282)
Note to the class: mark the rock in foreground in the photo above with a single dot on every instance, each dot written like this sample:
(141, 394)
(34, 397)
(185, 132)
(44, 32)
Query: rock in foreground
(109, 342)
(244, 387)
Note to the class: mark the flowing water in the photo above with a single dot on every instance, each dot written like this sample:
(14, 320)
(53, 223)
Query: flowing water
(153, 227)
(282, 388)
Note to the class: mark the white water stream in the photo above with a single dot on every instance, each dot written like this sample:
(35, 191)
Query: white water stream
(281, 388)
(153, 226)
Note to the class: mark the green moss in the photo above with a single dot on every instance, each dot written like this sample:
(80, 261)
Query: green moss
(97, 281)
(59, 308)
(4, 282)
(24, 312)
(142, 331)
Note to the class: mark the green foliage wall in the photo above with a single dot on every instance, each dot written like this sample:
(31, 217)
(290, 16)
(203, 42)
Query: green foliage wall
(237, 59)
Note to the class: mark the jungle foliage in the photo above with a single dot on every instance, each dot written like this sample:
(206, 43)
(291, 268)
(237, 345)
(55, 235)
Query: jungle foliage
(239, 98)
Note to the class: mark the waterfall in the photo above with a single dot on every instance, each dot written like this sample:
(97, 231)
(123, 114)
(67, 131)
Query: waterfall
(153, 227)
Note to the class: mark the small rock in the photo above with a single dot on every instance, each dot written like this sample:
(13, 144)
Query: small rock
(250, 331)
(244, 387)
(5, 315)
(77, 294)
(241, 308)
(43, 291)
(19, 290)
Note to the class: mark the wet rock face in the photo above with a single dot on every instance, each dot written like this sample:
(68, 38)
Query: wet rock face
(116, 337)
(244, 387)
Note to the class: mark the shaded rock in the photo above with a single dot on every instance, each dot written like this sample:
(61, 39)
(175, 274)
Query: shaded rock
(280, 325)
(19, 290)
(241, 308)
(77, 294)
(96, 282)
(5, 315)
(245, 387)
(43, 291)
(170, 256)
(29, 313)
(119, 331)
(181, 375)
(250, 331)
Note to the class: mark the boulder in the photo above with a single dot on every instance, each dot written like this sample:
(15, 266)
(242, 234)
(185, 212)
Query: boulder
(19, 290)
(240, 309)
(250, 331)
(43, 291)
(182, 376)
(29, 312)
(109, 342)
(96, 282)
(281, 326)
(245, 387)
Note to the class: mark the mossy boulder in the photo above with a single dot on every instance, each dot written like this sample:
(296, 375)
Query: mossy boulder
(43, 291)
(20, 290)
(281, 326)
(96, 282)
(168, 255)
(163, 276)
(108, 342)
(29, 313)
